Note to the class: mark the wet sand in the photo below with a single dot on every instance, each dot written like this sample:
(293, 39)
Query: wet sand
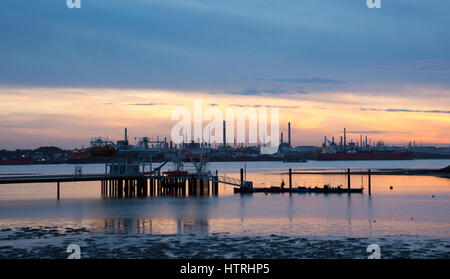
(51, 242)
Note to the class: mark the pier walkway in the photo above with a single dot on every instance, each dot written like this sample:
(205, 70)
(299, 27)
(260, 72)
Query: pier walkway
(67, 178)
(138, 184)
(152, 183)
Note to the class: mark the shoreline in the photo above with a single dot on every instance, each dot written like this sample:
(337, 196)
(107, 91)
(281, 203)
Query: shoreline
(444, 172)
(218, 160)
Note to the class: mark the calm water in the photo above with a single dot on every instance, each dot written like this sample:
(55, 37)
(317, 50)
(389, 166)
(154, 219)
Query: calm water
(411, 220)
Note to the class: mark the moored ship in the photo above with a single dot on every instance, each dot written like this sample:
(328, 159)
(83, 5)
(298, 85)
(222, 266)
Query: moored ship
(364, 156)
(102, 148)
(362, 150)
(19, 161)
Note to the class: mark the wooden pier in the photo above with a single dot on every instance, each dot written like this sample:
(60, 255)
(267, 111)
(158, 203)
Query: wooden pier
(129, 186)
(152, 184)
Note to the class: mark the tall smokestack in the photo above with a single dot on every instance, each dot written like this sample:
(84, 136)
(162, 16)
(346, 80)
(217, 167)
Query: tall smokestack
(289, 134)
(281, 140)
(345, 139)
(224, 133)
(366, 140)
(126, 134)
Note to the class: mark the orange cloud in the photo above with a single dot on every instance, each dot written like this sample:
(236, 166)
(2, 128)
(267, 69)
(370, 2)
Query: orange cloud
(70, 116)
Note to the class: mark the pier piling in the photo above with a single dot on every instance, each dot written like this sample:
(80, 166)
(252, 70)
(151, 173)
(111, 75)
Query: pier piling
(215, 184)
(152, 187)
(369, 182)
(120, 188)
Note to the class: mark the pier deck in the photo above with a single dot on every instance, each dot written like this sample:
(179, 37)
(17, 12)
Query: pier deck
(141, 184)
(67, 178)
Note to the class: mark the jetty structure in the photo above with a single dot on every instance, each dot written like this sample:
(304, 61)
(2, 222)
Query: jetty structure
(133, 176)
(132, 179)
(131, 172)
(153, 183)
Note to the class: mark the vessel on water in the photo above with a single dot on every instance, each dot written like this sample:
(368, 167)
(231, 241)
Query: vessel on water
(320, 156)
(102, 148)
(362, 150)
(18, 161)
(80, 154)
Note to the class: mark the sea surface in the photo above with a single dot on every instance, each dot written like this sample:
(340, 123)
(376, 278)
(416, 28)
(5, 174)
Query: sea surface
(406, 216)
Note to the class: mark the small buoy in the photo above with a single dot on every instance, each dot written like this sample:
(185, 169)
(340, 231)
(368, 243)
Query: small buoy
(391, 187)
(374, 221)
(432, 196)
(412, 218)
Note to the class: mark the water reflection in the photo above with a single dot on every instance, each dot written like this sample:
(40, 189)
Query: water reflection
(369, 214)
(349, 213)
(152, 226)
(308, 215)
(425, 198)
(282, 213)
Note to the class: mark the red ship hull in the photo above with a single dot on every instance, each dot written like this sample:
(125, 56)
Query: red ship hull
(80, 155)
(188, 156)
(21, 161)
(103, 151)
(364, 156)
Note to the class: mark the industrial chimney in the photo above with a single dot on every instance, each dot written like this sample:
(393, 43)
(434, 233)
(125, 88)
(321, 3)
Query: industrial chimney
(345, 139)
(224, 134)
(289, 134)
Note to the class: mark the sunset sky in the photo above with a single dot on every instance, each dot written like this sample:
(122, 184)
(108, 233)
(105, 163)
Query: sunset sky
(67, 75)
